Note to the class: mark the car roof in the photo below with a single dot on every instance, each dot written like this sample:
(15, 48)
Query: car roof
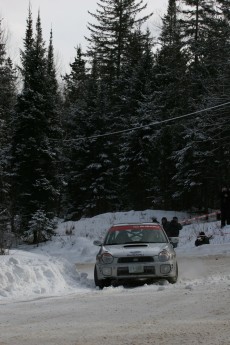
(135, 226)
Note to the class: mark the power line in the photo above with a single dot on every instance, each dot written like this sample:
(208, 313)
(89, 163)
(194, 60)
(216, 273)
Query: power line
(150, 124)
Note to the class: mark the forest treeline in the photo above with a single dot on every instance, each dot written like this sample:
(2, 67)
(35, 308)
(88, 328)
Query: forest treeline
(115, 136)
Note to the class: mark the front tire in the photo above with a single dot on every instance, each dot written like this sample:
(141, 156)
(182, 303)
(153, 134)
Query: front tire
(100, 283)
(173, 280)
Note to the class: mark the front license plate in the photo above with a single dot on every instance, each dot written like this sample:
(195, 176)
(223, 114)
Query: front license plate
(136, 269)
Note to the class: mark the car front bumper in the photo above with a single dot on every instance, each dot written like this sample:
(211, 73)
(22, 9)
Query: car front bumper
(156, 270)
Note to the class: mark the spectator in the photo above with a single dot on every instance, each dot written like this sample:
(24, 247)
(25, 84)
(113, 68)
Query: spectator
(174, 229)
(165, 224)
(202, 239)
(154, 220)
(225, 206)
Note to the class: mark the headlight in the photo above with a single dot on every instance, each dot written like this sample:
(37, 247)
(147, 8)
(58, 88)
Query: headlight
(107, 258)
(164, 256)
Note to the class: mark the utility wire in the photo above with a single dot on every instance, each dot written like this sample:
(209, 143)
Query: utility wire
(150, 124)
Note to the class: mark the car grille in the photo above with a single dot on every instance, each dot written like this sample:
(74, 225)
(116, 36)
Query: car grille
(121, 271)
(135, 259)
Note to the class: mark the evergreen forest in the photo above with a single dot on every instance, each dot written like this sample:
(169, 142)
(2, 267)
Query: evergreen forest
(140, 122)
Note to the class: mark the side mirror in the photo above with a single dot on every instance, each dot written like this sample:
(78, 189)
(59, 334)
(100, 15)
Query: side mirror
(97, 243)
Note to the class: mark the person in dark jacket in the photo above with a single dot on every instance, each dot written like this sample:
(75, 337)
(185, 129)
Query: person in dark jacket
(174, 229)
(202, 239)
(165, 224)
(225, 206)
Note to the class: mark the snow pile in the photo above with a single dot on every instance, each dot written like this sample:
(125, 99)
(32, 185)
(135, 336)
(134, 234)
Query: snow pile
(27, 274)
(50, 269)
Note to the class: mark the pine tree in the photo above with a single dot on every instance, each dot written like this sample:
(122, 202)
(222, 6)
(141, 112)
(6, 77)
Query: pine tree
(40, 228)
(189, 155)
(196, 21)
(217, 63)
(75, 81)
(168, 99)
(55, 132)
(115, 46)
(33, 163)
(88, 162)
(115, 20)
(203, 159)
(75, 125)
(171, 67)
(7, 101)
(136, 147)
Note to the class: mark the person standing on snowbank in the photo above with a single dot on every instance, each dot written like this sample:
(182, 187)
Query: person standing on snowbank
(225, 206)
(165, 224)
(174, 229)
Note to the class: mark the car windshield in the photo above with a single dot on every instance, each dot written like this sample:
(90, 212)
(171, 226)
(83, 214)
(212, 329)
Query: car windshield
(131, 236)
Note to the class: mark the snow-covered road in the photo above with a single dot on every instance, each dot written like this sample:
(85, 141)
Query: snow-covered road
(48, 296)
(194, 311)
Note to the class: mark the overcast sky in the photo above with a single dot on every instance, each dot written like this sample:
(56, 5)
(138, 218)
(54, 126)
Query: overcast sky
(68, 19)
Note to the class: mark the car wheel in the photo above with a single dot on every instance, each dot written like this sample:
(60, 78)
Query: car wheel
(100, 283)
(173, 280)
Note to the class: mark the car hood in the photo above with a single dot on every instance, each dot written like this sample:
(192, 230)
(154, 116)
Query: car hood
(149, 249)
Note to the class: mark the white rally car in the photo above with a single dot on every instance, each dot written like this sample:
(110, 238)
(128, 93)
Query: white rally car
(137, 252)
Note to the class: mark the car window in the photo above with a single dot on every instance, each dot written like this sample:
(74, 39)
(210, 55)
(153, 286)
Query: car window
(135, 236)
